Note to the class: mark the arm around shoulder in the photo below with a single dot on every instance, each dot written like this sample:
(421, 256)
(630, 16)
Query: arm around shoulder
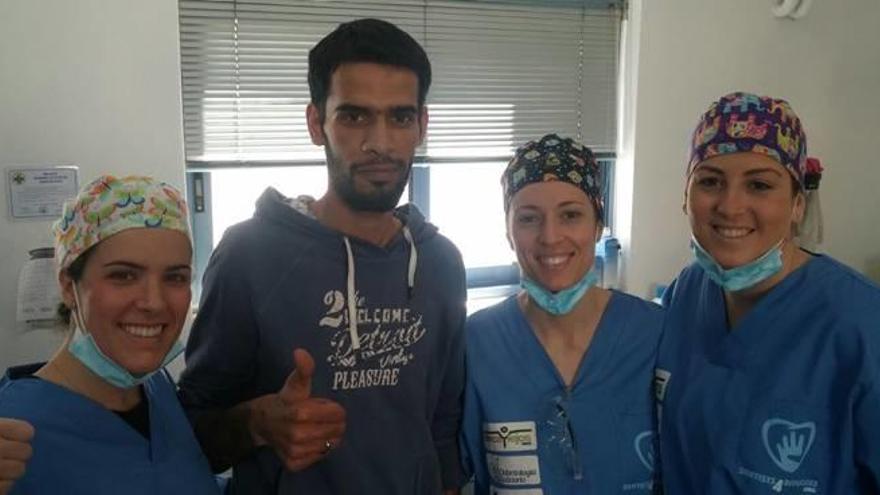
(448, 414)
(15, 451)
(216, 386)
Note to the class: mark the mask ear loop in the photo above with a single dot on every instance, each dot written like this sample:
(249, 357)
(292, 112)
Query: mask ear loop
(81, 321)
(78, 319)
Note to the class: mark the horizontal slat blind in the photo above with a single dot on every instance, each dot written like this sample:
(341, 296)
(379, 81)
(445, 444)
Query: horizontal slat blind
(504, 72)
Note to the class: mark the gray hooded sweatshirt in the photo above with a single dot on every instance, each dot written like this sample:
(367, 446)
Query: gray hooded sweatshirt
(384, 324)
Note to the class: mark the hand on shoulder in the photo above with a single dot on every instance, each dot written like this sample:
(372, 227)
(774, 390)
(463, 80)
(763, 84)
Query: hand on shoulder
(15, 450)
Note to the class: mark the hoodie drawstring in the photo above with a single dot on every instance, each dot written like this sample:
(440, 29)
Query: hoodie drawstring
(350, 288)
(349, 297)
(413, 261)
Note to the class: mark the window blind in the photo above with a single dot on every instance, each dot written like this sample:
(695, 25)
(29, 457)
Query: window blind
(504, 72)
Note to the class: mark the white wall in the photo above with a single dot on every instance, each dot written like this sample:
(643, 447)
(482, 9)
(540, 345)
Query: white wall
(693, 51)
(95, 83)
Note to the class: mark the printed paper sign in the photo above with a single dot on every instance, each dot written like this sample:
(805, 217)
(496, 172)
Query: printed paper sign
(40, 193)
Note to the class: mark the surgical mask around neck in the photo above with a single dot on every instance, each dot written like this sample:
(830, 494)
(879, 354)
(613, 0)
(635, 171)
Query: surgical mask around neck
(741, 277)
(84, 348)
(562, 302)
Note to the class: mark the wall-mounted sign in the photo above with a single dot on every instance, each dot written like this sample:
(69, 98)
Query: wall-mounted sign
(38, 294)
(39, 193)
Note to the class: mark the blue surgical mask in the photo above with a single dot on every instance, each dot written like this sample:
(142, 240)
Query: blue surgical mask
(740, 277)
(83, 347)
(562, 302)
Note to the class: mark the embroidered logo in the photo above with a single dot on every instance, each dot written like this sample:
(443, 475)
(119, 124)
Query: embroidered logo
(788, 443)
(514, 469)
(510, 437)
(644, 445)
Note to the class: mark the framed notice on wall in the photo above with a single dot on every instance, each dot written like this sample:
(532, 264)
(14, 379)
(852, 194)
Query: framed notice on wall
(39, 193)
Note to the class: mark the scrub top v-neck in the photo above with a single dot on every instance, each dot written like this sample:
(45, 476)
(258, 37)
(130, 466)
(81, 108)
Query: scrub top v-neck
(525, 432)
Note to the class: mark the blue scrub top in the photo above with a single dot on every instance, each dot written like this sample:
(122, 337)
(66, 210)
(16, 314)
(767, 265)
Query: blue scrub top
(525, 433)
(80, 447)
(787, 401)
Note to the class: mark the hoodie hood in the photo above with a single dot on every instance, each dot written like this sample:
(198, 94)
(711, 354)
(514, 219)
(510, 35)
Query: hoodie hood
(275, 207)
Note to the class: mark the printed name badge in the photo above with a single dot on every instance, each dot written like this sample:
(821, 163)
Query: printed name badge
(494, 490)
(661, 380)
(518, 436)
(514, 469)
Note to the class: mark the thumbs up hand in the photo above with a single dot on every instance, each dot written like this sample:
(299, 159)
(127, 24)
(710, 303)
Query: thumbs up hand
(298, 386)
(15, 450)
(300, 428)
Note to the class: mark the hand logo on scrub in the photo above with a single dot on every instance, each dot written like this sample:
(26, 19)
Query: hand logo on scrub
(793, 442)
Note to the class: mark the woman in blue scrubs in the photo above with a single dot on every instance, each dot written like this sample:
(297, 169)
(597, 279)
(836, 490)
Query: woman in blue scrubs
(104, 412)
(558, 395)
(768, 370)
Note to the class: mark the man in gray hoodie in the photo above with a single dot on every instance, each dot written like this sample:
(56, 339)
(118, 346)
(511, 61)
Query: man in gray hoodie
(371, 297)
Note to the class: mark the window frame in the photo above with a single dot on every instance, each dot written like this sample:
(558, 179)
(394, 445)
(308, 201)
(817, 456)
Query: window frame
(199, 192)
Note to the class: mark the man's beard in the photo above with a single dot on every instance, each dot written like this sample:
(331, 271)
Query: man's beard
(380, 199)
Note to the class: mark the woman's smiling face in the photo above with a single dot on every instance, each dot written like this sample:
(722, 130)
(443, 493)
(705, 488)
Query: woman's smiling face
(740, 205)
(552, 226)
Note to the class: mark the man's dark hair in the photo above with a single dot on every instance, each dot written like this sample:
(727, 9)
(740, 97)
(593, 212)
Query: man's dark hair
(370, 41)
